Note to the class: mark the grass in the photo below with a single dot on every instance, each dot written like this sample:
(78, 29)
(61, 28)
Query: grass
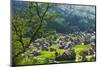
(60, 51)
(54, 46)
(79, 48)
(46, 54)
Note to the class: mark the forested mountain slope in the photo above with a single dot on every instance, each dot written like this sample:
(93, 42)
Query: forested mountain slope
(66, 18)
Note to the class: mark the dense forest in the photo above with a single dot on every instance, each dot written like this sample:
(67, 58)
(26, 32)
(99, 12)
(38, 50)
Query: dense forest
(47, 33)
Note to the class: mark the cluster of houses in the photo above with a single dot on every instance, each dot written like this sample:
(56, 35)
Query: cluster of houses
(64, 41)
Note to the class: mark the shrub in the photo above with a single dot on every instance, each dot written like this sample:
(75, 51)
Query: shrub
(90, 58)
(83, 53)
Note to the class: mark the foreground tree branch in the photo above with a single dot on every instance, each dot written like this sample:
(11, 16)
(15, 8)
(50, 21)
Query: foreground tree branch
(19, 35)
(41, 18)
